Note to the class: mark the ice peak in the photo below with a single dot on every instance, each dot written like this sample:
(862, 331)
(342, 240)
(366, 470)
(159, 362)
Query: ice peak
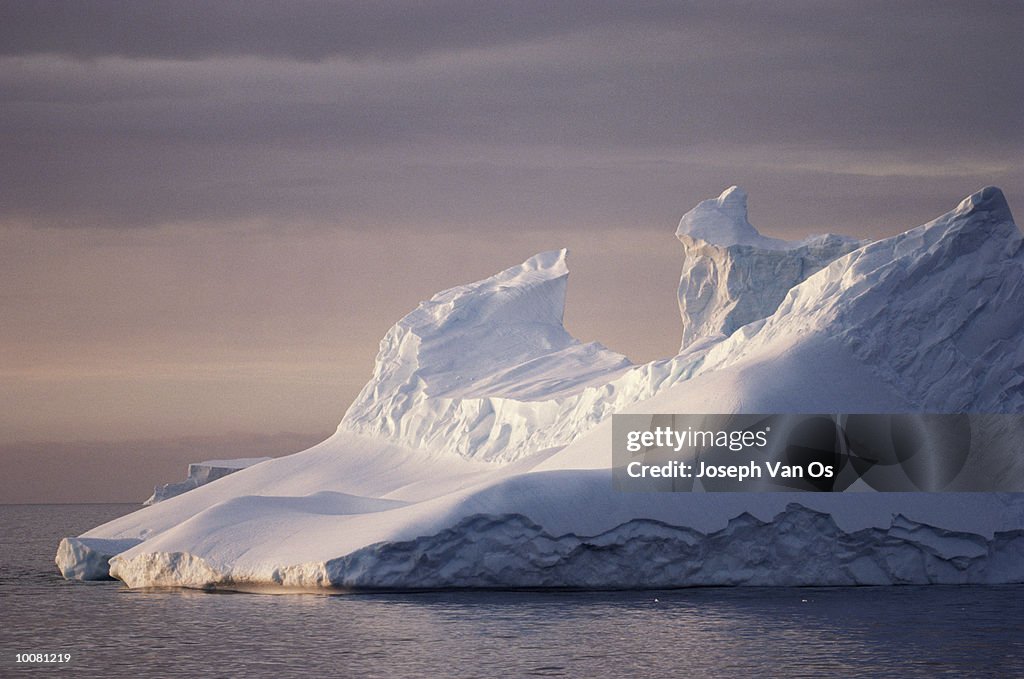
(733, 199)
(551, 261)
(531, 292)
(988, 200)
(723, 221)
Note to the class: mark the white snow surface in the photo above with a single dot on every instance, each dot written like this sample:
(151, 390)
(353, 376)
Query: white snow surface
(201, 473)
(479, 453)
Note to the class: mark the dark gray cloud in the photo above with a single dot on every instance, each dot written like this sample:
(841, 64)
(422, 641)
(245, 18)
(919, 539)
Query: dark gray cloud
(140, 114)
(319, 29)
(301, 29)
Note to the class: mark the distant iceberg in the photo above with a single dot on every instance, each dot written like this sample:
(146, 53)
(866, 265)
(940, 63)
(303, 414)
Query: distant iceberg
(479, 453)
(201, 473)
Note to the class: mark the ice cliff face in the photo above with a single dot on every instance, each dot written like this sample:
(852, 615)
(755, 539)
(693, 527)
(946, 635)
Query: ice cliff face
(89, 558)
(478, 454)
(797, 547)
(732, 275)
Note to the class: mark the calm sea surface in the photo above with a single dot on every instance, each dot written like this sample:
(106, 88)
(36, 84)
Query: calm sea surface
(917, 631)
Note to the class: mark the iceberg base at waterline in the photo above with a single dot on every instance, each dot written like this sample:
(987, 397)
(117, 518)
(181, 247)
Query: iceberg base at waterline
(479, 454)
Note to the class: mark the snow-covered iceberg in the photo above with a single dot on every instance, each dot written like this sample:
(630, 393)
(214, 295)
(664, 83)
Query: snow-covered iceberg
(201, 473)
(479, 454)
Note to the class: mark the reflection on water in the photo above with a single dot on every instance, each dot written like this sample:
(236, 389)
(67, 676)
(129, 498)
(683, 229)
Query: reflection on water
(919, 631)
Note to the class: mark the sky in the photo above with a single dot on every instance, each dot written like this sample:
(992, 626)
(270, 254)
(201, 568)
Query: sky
(211, 212)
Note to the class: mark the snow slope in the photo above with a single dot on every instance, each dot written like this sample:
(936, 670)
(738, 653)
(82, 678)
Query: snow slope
(478, 455)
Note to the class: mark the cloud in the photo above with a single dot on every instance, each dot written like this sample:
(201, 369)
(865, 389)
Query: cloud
(321, 29)
(302, 29)
(140, 115)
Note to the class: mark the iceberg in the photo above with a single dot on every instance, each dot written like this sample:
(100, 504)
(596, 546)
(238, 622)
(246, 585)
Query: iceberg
(201, 473)
(479, 453)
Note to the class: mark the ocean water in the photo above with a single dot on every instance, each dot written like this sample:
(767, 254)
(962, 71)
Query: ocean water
(112, 632)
